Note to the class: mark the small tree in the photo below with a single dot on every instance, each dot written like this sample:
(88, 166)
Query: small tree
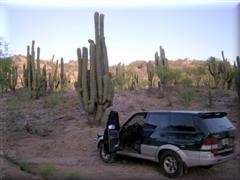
(167, 75)
(197, 75)
(187, 93)
(8, 71)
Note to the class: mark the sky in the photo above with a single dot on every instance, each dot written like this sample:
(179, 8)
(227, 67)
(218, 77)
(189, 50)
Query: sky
(133, 31)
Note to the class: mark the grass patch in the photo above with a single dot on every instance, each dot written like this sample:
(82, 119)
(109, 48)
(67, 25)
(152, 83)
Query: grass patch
(23, 95)
(52, 100)
(47, 170)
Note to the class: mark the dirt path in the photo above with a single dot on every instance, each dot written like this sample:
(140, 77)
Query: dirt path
(60, 136)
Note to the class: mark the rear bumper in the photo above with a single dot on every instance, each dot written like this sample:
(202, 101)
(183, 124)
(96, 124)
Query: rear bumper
(200, 158)
(207, 158)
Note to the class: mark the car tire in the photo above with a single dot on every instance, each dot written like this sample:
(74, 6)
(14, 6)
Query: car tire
(105, 157)
(171, 164)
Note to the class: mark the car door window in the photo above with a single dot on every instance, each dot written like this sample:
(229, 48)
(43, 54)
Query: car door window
(137, 119)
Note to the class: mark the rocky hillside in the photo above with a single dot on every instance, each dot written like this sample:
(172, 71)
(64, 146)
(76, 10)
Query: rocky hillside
(138, 66)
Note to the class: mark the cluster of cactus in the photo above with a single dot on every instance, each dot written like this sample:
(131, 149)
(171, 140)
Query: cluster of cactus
(125, 79)
(34, 80)
(53, 82)
(94, 86)
(120, 77)
(162, 60)
(132, 80)
(8, 75)
(221, 70)
(237, 75)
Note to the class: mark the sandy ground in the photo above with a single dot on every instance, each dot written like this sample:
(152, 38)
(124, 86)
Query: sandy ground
(43, 135)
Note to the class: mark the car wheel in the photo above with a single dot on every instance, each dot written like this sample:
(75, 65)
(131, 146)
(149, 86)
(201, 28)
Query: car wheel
(171, 165)
(106, 157)
(207, 167)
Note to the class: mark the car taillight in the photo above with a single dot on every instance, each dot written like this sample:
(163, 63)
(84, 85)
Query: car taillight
(210, 143)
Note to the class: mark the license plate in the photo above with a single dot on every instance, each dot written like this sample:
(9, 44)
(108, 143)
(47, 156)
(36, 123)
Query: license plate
(225, 141)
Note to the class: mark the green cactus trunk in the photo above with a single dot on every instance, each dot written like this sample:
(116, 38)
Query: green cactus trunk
(25, 76)
(161, 66)
(62, 76)
(29, 71)
(12, 78)
(43, 83)
(150, 73)
(99, 63)
(215, 70)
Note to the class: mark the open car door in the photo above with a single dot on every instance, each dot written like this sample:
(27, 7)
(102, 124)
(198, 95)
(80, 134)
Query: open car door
(111, 133)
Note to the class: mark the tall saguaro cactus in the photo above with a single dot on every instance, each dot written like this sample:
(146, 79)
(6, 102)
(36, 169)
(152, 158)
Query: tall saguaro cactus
(150, 73)
(94, 86)
(62, 75)
(52, 76)
(215, 70)
(226, 72)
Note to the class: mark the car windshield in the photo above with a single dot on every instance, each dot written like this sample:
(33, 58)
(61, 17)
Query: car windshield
(218, 124)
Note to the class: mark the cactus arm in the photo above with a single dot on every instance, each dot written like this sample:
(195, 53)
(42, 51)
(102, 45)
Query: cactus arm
(62, 78)
(156, 57)
(93, 85)
(84, 78)
(98, 59)
(33, 66)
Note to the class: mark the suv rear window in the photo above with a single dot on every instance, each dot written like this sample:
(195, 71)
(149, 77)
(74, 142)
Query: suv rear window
(182, 122)
(218, 124)
(159, 120)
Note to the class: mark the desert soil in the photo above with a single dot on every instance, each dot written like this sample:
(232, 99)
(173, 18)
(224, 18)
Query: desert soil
(41, 134)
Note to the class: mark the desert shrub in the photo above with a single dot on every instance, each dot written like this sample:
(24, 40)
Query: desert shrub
(73, 176)
(143, 83)
(185, 81)
(23, 165)
(186, 96)
(47, 170)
